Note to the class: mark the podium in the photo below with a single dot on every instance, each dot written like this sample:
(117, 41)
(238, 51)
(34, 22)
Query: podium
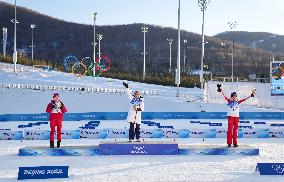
(63, 151)
(138, 148)
(245, 150)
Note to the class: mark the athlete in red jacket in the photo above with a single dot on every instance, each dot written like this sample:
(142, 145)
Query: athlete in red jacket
(56, 109)
(233, 115)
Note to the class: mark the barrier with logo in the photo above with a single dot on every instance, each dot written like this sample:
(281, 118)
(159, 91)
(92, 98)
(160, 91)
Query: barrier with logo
(117, 133)
(45, 134)
(175, 133)
(202, 133)
(145, 133)
(276, 133)
(43, 172)
(254, 133)
(11, 135)
(152, 133)
(145, 116)
(93, 134)
(270, 168)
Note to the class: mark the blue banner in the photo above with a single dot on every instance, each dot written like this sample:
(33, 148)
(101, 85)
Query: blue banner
(176, 133)
(202, 133)
(45, 134)
(152, 133)
(93, 134)
(145, 133)
(145, 116)
(276, 132)
(11, 135)
(270, 168)
(43, 172)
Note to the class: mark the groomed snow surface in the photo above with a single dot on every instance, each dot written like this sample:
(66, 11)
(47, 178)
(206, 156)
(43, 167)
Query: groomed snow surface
(21, 101)
(149, 168)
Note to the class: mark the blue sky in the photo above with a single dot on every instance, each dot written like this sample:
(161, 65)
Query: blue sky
(251, 15)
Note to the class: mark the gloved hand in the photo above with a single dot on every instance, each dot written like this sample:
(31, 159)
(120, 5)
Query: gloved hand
(62, 105)
(253, 93)
(138, 109)
(125, 85)
(53, 105)
(219, 88)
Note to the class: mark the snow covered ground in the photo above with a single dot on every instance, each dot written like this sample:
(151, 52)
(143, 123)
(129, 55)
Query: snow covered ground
(124, 168)
(149, 168)
(35, 101)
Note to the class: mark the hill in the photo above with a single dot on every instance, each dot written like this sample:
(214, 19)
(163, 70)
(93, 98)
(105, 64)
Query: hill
(267, 41)
(123, 44)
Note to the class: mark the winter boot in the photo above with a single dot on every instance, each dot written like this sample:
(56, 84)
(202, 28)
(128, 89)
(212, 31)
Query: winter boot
(58, 143)
(235, 145)
(229, 145)
(51, 144)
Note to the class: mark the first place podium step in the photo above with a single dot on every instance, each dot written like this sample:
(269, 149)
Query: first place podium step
(138, 148)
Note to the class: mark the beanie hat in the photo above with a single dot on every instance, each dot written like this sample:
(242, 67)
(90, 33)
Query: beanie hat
(55, 94)
(233, 94)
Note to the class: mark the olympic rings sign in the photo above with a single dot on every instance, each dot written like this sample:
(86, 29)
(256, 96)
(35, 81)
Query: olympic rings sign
(86, 66)
(277, 72)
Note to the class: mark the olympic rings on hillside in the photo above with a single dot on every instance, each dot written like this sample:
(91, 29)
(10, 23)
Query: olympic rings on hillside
(103, 64)
(79, 69)
(86, 66)
(69, 61)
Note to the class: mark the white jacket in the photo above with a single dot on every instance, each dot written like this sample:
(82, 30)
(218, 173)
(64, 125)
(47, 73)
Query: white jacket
(233, 109)
(133, 115)
(233, 106)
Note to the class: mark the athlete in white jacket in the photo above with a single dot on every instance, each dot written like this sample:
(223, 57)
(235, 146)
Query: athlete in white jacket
(134, 113)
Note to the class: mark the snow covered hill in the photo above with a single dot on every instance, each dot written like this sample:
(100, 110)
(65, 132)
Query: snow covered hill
(19, 100)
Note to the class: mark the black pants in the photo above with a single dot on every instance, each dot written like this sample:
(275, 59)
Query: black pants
(131, 131)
